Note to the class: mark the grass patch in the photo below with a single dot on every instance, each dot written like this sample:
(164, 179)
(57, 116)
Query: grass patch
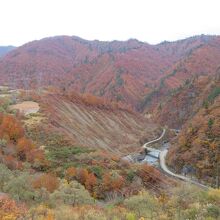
(213, 94)
(65, 152)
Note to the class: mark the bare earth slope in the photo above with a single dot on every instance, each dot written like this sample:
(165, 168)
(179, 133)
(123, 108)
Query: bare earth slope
(95, 126)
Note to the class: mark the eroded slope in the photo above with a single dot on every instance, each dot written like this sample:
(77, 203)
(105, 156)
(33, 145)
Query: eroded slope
(97, 126)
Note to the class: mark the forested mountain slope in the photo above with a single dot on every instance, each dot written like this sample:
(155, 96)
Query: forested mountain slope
(127, 72)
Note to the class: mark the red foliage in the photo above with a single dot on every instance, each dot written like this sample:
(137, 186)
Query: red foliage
(119, 71)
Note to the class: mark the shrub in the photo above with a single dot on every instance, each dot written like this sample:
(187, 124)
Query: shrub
(20, 188)
(5, 176)
(144, 205)
(98, 171)
(213, 94)
(70, 173)
(213, 211)
(72, 193)
(130, 175)
(130, 216)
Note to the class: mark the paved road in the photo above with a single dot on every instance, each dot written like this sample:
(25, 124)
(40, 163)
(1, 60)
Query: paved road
(166, 170)
(162, 160)
(153, 141)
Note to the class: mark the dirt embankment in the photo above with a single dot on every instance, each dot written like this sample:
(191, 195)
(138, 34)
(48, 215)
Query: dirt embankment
(114, 130)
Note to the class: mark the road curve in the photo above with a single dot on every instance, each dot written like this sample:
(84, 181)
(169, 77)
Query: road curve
(164, 167)
(162, 161)
(153, 141)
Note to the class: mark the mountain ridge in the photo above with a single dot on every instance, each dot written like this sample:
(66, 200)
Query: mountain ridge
(123, 71)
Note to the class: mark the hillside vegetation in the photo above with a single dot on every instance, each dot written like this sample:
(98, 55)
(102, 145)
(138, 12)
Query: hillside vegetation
(71, 109)
(127, 72)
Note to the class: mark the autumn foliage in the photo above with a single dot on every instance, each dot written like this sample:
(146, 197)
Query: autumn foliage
(15, 147)
(10, 210)
(70, 173)
(47, 181)
(10, 128)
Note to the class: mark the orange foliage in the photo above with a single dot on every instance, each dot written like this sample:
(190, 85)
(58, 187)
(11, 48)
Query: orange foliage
(112, 183)
(70, 173)
(91, 181)
(12, 163)
(82, 175)
(10, 210)
(11, 128)
(117, 183)
(12, 131)
(47, 181)
(107, 182)
(24, 146)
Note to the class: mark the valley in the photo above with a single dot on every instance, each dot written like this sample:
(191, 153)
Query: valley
(80, 122)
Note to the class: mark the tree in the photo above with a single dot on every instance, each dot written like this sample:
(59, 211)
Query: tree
(11, 127)
(210, 123)
(107, 182)
(82, 175)
(91, 182)
(20, 188)
(9, 210)
(72, 193)
(37, 158)
(24, 146)
(47, 181)
(70, 173)
(117, 183)
(5, 176)
(41, 212)
(144, 205)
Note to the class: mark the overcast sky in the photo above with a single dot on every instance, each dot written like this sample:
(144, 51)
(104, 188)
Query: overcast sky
(151, 21)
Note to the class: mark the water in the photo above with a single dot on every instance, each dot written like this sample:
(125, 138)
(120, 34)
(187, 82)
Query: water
(152, 157)
(150, 160)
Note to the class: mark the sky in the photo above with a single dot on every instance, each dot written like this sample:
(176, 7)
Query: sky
(150, 21)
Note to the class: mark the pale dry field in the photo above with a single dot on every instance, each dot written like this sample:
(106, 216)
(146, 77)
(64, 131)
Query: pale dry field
(27, 107)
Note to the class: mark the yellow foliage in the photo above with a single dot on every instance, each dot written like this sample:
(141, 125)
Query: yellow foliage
(42, 212)
(214, 195)
(8, 216)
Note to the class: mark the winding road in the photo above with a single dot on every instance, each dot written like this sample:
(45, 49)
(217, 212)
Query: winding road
(153, 141)
(162, 160)
(164, 167)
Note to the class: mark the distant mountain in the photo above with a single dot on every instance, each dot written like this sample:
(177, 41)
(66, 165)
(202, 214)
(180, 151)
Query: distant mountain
(5, 49)
(203, 59)
(130, 72)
